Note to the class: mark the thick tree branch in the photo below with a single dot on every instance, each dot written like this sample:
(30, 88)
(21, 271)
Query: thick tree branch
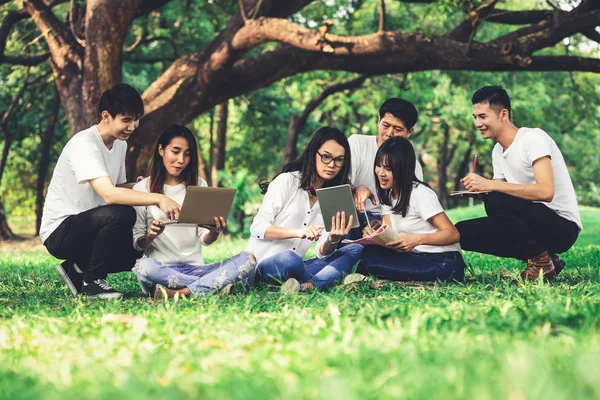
(60, 42)
(12, 17)
(465, 32)
(25, 61)
(520, 17)
(549, 32)
(9, 21)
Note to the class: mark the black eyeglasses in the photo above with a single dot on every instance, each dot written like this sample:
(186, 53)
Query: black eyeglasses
(327, 159)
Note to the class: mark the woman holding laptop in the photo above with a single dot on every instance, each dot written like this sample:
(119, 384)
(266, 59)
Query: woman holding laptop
(427, 248)
(173, 261)
(289, 220)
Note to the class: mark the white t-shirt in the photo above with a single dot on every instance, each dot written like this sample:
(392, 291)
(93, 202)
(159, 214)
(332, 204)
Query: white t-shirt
(85, 157)
(286, 205)
(515, 165)
(423, 205)
(363, 149)
(178, 243)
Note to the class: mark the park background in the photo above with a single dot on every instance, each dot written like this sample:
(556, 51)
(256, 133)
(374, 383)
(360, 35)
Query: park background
(253, 86)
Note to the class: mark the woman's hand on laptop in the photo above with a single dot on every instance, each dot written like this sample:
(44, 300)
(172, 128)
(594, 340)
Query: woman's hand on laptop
(170, 207)
(156, 228)
(218, 227)
(213, 230)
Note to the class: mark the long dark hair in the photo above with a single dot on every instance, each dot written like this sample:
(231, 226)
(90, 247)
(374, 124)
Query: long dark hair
(306, 163)
(158, 172)
(399, 157)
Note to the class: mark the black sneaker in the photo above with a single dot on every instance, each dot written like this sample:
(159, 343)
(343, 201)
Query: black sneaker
(69, 274)
(99, 289)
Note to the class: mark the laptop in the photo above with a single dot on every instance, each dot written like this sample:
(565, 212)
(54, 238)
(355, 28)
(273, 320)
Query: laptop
(201, 204)
(334, 199)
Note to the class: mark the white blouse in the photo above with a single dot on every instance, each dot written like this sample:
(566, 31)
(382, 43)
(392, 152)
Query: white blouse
(178, 243)
(286, 205)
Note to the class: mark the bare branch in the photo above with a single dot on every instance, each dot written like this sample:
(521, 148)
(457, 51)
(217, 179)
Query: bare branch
(14, 105)
(12, 17)
(242, 10)
(72, 19)
(381, 15)
(298, 122)
(137, 42)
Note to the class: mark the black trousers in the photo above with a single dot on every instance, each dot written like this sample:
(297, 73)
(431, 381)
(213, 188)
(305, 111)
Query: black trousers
(517, 228)
(99, 240)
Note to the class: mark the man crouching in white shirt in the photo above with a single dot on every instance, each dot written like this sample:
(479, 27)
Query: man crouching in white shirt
(87, 218)
(531, 206)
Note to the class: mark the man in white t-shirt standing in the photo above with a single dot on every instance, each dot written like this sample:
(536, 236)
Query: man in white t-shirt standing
(397, 117)
(87, 219)
(531, 206)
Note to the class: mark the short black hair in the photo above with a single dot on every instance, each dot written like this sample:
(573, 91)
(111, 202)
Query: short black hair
(495, 96)
(122, 99)
(401, 109)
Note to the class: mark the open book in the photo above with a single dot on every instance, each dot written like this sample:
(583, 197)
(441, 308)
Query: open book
(383, 235)
(459, 192)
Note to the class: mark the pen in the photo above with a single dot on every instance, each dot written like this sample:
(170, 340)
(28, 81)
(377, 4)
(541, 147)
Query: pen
(474, 164)
(368, 223)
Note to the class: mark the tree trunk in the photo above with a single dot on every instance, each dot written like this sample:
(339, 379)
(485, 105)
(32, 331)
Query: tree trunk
(5, 151)
(462, 171)
(211, 143)
(46, 144)
(6, 234)
(218, 151)
(203, 166)
(442, 169)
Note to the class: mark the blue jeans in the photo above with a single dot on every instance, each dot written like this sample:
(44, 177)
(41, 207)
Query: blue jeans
(200, 279)
(323, 273)
(356, 233)
(413, 266)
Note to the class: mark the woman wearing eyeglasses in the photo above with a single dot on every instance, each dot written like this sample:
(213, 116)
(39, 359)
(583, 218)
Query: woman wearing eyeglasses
(289, 220)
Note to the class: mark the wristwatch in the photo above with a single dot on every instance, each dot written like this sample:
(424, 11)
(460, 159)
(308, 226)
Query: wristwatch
(333, 243)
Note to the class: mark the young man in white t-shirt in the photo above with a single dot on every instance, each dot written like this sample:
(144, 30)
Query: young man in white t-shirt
(87, 219)
(397, 117)
(531, 206)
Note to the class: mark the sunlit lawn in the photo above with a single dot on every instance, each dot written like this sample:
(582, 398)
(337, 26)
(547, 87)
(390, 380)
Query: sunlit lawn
(486, 339)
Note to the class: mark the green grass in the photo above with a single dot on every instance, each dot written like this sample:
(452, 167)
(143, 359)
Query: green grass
(486, 339)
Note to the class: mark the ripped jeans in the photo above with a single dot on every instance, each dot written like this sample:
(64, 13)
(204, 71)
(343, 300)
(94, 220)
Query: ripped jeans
(200, 279)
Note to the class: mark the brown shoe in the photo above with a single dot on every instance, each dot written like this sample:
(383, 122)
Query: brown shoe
(559, 264)
(163, 293)
(307, 287)
(539, 265)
